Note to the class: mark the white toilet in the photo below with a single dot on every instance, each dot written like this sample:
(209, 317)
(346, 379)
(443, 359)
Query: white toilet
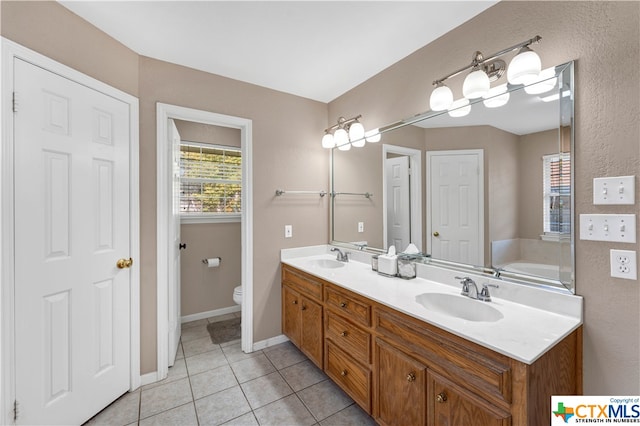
(237, 295)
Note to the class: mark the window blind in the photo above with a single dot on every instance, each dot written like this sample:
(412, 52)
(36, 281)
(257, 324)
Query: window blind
(557, 193)
(210, 180)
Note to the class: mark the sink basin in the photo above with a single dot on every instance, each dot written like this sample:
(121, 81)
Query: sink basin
(459, 307)
(326, 263)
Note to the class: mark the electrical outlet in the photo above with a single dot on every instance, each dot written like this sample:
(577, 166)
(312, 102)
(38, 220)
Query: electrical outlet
(360, 226)
(623, 264)
(288, 231)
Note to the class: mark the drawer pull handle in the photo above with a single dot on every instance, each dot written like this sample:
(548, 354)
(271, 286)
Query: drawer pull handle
(343, 304)
(441, 397)
(343, 373)
(304, 308)
(344, 334)
(411, 377)
(295, 302)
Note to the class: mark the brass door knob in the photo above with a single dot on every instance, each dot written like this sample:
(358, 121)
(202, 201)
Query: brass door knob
(124, 263)
(411, 377)
(436, 234)
(441, 397)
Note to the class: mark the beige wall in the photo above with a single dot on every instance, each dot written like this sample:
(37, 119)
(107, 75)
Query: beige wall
(54, 31)
(604, 38)
(205, 289)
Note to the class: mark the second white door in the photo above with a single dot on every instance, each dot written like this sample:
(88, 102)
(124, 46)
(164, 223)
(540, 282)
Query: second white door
(455, 205)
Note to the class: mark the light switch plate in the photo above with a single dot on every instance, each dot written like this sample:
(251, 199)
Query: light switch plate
(614, 190)
(624, 264)
(608, 227)
(360, 226)
(288, 231)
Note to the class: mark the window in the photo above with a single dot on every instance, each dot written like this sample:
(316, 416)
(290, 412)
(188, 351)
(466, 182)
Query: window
(210, 183)
(557, 194)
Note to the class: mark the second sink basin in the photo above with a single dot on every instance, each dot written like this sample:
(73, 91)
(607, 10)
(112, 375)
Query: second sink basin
(326, 263)
(459, 307)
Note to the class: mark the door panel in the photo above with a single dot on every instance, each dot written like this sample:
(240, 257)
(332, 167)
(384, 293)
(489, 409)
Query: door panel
(174, 251)
(397, 204)
(72, 313)
(456, 202)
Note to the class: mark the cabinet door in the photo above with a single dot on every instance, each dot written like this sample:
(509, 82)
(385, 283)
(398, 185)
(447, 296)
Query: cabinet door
(312, 330)
(291, 321)
(451, 405)
(400, 388)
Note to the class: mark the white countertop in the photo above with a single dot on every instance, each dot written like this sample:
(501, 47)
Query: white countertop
(534, 320)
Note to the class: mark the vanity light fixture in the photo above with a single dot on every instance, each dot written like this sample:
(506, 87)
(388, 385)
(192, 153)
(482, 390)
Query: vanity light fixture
(523, 69)
(347, 133)
(545, 82)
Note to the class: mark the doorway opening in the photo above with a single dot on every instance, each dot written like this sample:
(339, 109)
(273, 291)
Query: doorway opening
(168, 221)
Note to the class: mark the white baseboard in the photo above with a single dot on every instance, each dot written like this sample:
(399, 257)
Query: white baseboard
(145, 379)
(209, 314)
(270, 342)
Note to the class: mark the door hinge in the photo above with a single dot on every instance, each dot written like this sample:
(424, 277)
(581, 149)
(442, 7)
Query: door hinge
(15, 410)
(14, 102)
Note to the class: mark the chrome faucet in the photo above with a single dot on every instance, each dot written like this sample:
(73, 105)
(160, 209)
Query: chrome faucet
(466, 289)
(341, 257)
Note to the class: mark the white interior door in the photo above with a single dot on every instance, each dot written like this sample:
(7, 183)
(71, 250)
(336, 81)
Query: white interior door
(72, 304)
(456, 204)
(397, 203)
(174, 246)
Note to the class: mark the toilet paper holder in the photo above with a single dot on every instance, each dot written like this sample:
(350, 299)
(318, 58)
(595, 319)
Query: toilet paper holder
(206, 261)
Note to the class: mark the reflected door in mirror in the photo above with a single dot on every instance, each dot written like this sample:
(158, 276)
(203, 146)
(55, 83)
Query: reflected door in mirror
(455, 211)
(397, 204)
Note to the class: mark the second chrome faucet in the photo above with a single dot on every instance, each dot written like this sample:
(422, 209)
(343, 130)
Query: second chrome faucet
(467, 284)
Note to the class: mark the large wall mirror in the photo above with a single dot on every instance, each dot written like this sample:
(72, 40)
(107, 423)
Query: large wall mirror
(490, 190)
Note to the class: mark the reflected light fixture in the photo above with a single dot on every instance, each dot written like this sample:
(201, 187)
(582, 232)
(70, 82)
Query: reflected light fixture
(496, 97)
(546, 81)
(460, 108)
(523, 69)
(347, 133)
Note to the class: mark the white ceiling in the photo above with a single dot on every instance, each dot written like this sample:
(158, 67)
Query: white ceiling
(315, 49)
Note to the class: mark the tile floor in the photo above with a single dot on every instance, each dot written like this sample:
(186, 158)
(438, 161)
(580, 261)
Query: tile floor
(219, 384)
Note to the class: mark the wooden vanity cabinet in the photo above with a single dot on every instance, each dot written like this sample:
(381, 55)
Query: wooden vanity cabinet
(302, 316)
(404, 371)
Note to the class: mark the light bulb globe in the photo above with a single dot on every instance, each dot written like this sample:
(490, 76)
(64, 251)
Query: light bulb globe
(476, 85)
(356, 134)
(545, 82)
(341, 138)
(441, 98)
(373, 135)
(524, 67)
(496, 97)
(327, 141)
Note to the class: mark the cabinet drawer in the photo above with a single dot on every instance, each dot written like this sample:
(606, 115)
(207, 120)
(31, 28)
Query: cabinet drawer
(302, 282)
(484, 371)
(353, 378)
(348, 337)
(354, 309)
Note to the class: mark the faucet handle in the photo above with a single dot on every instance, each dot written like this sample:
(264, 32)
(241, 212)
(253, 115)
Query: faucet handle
(484, 294)
(465, 281)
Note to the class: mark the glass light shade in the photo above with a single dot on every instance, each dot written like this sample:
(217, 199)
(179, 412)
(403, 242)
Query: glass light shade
(524, 67)
(476, 84)
(460, 108)
(356, 134)
(497, 97)
(373, 135)
(327, 141)
(546, 81)
(441, 98)
(341, 139)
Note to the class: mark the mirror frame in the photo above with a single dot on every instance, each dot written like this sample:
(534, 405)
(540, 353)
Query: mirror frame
(565, 74)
